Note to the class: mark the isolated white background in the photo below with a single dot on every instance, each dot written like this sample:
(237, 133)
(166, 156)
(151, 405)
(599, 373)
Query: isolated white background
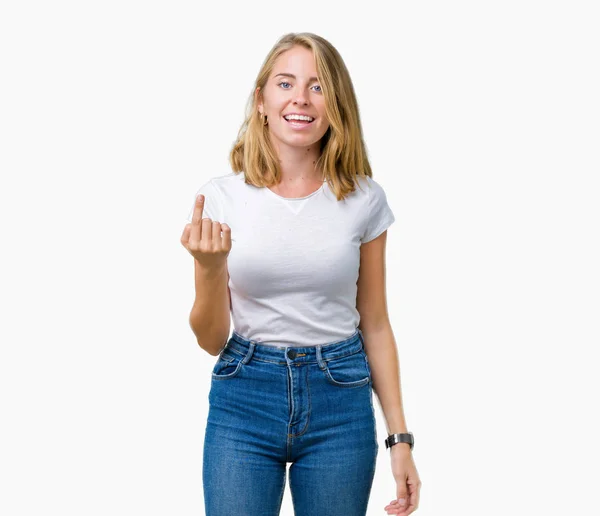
(482, 125)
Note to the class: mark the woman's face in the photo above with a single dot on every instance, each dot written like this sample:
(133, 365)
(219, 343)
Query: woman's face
(293, 88)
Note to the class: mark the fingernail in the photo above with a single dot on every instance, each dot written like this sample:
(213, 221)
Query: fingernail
(401, 501)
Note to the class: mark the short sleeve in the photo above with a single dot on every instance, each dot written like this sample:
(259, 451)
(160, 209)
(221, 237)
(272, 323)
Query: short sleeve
(380, 215)
(211, 202)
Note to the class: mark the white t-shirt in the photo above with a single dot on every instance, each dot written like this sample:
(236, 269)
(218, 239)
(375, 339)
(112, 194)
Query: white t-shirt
(293, 264)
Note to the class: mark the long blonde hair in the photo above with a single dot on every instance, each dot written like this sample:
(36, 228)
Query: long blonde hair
(343, 154)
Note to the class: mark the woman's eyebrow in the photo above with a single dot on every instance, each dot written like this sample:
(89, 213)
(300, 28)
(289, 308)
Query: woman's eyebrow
(293, 76)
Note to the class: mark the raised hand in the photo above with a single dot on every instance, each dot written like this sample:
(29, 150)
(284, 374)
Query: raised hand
(202, 238)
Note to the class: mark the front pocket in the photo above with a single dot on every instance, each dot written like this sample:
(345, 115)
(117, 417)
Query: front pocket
(228, 365)
(349, 371)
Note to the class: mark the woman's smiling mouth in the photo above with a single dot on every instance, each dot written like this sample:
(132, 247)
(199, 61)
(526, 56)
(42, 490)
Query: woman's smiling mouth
(294, 123)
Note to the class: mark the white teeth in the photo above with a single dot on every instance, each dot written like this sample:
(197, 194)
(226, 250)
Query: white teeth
(298, 117)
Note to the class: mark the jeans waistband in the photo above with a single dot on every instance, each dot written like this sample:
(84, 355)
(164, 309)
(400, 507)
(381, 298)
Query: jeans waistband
(287, 354)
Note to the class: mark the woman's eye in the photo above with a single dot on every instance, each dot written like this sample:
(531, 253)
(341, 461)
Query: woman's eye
(284, 82)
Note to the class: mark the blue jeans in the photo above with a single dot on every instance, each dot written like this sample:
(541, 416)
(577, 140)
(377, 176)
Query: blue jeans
(310, 406)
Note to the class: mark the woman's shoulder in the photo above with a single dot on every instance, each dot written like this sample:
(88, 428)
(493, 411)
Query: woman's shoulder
(222, 180)
(224, 183)
(364, 186)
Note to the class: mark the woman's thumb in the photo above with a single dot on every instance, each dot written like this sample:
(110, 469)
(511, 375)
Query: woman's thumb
(401, 498)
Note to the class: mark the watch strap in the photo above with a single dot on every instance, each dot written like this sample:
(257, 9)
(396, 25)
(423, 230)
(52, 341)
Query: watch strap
(400, 438)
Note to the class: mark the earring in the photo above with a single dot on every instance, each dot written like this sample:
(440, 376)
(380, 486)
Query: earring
(263, 117)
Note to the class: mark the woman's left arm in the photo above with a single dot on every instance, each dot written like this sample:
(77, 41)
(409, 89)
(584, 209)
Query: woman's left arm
(380, 346)
(381, 349)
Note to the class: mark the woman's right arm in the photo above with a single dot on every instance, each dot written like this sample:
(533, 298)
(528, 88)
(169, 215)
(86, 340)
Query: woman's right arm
(209, 319)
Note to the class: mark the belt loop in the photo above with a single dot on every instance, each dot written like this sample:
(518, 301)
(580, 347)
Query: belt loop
(250, 352)
(362, 338)
(320, 360)
(361, 334)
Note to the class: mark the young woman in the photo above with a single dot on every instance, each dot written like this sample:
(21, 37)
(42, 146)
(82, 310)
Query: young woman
(292, 243)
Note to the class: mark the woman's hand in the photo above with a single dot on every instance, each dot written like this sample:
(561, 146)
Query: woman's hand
(202, 238)
(407, 479)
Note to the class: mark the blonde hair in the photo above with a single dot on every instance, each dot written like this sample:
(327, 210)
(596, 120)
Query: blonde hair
(343, 153)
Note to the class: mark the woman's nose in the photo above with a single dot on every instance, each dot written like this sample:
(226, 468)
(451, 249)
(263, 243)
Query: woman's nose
(301, 97)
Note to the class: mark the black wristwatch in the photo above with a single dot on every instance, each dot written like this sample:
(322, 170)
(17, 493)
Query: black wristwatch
(400, 438)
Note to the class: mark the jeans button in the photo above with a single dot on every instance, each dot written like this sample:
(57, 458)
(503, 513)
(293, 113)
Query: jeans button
(291, 354)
